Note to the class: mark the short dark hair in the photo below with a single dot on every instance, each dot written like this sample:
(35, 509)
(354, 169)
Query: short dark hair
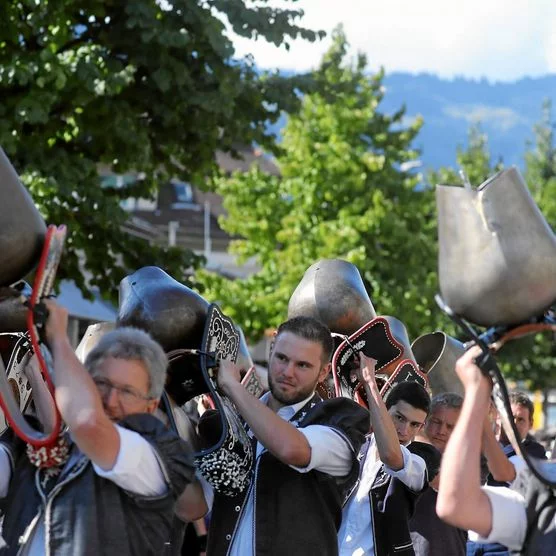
(410, 392)
(310, 329)
(521, 398)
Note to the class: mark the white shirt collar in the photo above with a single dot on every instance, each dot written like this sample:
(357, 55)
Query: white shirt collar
(287, 411)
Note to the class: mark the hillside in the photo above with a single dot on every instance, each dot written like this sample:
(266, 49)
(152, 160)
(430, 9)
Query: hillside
(507, 112)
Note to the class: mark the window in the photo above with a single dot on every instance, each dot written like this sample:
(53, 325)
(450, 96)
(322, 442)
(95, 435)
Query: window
(183, 191)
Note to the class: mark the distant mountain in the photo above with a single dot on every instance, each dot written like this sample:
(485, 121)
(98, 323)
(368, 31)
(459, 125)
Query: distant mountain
(507, 113)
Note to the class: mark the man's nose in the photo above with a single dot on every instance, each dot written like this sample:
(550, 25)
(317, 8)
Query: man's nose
(288, 369)
(111, 398)
(403, 428)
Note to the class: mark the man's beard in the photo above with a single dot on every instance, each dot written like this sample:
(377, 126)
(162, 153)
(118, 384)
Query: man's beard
(293, 398)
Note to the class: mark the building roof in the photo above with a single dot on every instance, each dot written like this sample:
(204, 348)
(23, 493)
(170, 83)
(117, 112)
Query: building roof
(198, 213)
(247, 157)
(98, 309)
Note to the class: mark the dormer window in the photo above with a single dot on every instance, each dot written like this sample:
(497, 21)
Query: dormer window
(183, 196)
(183, 191)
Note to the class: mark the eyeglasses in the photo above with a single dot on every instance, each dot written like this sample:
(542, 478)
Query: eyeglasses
(126, 394)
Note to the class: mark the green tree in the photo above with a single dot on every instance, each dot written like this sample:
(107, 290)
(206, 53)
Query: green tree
(142, 85)
(343, 193)
(474, 159)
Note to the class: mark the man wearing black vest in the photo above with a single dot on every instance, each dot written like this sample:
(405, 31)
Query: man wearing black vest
(115, 493)
(306, 453)
(521, 518)
(394, 471)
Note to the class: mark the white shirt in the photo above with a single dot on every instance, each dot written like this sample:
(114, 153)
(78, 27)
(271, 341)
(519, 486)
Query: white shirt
(355, 537)
(509, 518)
(330, 453)
(137, 470)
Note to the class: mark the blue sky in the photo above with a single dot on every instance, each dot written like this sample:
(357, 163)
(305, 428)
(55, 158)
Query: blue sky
(497, 39)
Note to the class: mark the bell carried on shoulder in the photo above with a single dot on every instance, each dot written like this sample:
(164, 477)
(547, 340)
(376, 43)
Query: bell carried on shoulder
(436, 355)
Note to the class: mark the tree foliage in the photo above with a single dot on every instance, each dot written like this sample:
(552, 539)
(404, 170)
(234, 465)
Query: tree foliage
(147, 85)
(343, 193)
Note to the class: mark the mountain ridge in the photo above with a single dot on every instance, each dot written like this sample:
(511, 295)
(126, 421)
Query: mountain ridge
(507, 112)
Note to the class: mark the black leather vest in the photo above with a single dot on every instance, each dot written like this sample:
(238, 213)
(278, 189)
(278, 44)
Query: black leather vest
(294, 513)
(86, 514)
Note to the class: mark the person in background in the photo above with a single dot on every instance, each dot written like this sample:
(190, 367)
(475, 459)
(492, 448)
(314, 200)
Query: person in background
(394, 470)
(430, 535)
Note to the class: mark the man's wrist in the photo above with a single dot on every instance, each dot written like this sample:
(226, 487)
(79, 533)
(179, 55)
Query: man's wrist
(371, 389)
(229, 387)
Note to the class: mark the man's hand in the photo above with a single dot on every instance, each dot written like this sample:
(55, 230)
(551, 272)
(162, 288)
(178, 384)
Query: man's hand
(367, 367)
(470, 374)
(228, 375)
(56, 323)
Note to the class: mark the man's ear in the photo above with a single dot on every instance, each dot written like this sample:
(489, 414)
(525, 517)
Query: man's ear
(272, 343)
(152, 405)
(323, 373)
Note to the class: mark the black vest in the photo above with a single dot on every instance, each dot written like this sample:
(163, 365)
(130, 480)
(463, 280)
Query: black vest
(295, 513)
(393, 504)
(89, 515)
(540, 538)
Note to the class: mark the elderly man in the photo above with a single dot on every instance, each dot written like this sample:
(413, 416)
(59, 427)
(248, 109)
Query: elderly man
(116, 492)
(430, 535)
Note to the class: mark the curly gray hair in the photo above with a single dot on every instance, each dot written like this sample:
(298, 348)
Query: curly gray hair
(135, 345)
(447, 399)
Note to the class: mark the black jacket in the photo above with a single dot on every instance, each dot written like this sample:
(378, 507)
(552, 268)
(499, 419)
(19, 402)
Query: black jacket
(85, 514)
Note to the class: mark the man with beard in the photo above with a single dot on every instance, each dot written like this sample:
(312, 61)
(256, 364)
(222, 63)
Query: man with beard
(306, 453)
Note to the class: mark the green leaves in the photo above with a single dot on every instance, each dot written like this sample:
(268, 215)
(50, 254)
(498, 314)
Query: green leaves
(341, 194)
(141, 86)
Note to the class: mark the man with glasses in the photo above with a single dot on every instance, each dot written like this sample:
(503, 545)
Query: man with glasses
(116, 491)
(394, 471)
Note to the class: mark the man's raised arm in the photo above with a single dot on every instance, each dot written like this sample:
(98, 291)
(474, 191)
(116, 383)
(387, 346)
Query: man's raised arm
(461, 502)
(77, 396)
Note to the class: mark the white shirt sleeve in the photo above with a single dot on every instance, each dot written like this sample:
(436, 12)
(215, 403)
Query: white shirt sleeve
(413, 472)
(519, 464)
(137, 468)
(331, 453)
(509, 519)
(6, 466)
(208, 491)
